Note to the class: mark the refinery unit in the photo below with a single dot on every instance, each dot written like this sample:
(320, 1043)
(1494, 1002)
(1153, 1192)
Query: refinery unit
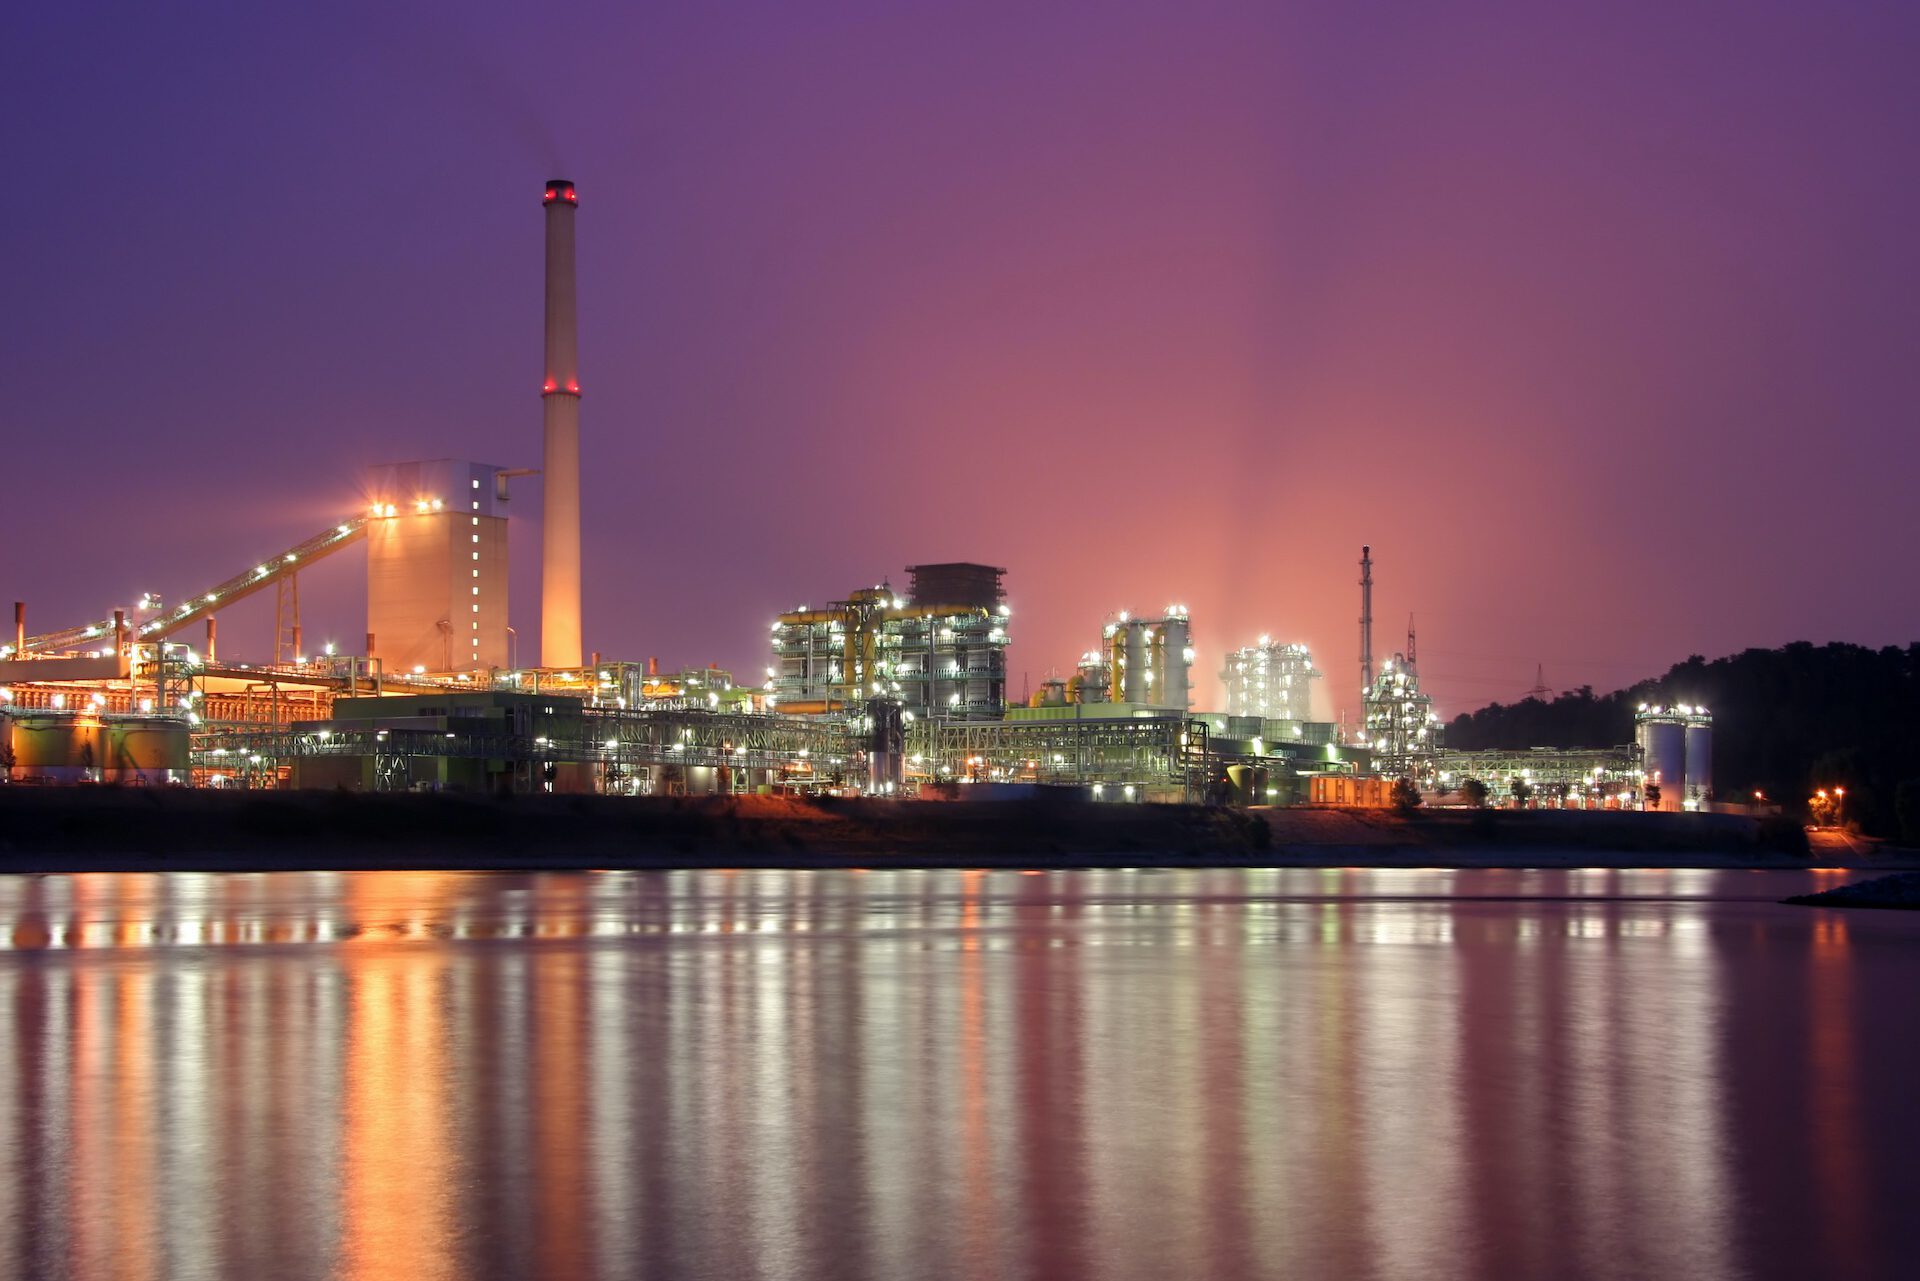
(890, 692)
(1270, 680)
(938, 650)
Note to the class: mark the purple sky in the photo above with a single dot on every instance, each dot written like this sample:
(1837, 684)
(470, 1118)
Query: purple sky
(1604, 330)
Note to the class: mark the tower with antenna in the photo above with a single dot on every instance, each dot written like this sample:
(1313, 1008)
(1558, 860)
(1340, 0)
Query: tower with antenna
(1366, 621)
(1539, 690)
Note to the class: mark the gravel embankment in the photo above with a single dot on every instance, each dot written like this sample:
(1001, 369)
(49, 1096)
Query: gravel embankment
(1899, 891)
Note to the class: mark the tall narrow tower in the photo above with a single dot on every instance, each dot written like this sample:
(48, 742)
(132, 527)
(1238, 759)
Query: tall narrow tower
(560, 466)
(1366, 622)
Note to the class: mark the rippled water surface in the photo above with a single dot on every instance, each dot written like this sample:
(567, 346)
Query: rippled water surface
(885, 1074)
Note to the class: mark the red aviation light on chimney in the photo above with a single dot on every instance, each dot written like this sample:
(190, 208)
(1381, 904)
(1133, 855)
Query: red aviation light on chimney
(560, 190)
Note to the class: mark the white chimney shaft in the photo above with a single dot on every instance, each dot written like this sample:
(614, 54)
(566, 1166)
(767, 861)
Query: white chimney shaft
(560, 467)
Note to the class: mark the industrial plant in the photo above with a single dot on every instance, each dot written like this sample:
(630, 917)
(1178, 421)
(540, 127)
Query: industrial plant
(893, 691)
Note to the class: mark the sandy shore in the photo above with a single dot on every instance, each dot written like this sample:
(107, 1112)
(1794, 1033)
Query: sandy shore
(78, 829)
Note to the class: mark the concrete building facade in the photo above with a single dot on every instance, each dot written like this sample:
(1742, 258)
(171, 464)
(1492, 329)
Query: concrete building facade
(436, 567)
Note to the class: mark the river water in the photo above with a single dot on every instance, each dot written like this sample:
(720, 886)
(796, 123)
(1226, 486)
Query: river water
(886, 1074)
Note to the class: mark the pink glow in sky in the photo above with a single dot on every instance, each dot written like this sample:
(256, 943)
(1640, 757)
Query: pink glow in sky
(1600, 328)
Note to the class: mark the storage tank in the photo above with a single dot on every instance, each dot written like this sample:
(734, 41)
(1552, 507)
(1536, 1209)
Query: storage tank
(1248, 784)
(1092, 681)
(143, 749)
(1133, 683)
(1172, 684)
(1156, 664)
(53, 747)
(1699, 758)
(1052, 693)
(1663, 755)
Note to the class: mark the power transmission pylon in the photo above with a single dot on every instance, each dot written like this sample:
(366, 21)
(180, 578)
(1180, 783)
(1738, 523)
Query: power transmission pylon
(1539, 690)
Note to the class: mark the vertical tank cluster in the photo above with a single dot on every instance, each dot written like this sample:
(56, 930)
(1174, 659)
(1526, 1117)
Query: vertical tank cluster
(1676, 755)
(1149, 661)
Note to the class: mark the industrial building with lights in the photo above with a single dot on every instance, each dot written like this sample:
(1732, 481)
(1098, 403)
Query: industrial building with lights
(891, 691)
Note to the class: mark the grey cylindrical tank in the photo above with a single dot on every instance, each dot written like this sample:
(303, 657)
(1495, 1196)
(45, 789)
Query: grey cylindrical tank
(1174, 641)
(1699, 760)
(1663, 751)
(1093, 682)
(1134, 679)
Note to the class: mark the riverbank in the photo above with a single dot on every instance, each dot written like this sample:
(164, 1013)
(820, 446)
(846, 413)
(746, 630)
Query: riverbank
(1899, 892)
(135, 829)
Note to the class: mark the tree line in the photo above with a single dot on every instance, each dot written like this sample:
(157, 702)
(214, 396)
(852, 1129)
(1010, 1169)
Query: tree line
(1786, 722)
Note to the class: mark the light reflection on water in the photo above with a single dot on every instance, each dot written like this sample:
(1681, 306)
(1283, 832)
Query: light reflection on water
(887, 1074)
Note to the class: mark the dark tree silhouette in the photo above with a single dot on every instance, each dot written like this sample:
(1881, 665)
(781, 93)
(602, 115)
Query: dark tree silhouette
(1406, 796)
(1906, 809)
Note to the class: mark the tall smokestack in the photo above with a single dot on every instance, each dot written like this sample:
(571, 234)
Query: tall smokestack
(19, 626)
(1366, 621)
(560, 467)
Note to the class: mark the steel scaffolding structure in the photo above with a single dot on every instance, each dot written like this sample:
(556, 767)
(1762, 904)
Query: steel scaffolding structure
(1591, 778)
(620, 740)
(935, 655)
(1401, 728)
(1159, 751)
(1162, 754)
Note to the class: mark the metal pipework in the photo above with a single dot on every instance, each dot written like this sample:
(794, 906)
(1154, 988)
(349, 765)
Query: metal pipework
(560, 465)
